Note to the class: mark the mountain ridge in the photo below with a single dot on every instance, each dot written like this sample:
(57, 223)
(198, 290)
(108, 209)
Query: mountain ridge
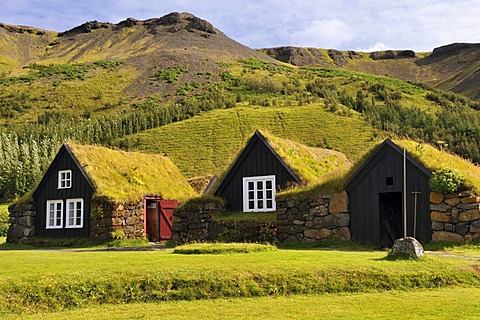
(103, 83)
(452, 67)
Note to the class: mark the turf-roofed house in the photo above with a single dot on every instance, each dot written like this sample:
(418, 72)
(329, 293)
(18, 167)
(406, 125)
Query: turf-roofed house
(378, 191)
(299, 193)
(95, 192)
(252, 187)
(268, 164)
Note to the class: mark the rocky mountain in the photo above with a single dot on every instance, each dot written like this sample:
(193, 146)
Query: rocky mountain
(115, 84)
(183, 39)
(172, 40)
(453, 67)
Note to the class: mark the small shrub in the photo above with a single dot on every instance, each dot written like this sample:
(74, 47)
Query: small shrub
(117, 234)
(3, 222)
(445, 181)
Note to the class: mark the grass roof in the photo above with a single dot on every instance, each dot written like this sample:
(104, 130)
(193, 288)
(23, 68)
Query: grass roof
(434, 159)
(431, 157)
(312, 165)
(124, 175)
(307, 162)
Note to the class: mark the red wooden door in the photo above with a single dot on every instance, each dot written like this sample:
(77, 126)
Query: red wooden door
(166, 212)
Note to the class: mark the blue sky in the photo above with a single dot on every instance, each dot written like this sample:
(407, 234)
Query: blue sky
(365, 25)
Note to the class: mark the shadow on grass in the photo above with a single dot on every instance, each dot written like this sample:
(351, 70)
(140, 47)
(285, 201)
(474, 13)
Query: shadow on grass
(80, 243)
(327, 245)
(399, 257)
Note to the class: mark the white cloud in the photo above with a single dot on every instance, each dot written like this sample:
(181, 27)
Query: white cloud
(376, 47)
(328, 33)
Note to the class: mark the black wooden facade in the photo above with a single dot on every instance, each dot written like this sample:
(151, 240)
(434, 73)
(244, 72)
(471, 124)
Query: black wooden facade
(81, 188)
(376, 198)
(258, 158)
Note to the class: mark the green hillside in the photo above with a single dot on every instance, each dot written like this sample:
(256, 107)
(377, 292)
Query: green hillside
(208, 143)
(450, 67)
(120, 84)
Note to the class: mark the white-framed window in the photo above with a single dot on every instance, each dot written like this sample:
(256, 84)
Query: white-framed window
(64, 179)
(74, 213)
(54, 214)
(259, 194)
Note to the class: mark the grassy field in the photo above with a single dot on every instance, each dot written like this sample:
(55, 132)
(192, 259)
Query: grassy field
(451, 303)
(44, 281)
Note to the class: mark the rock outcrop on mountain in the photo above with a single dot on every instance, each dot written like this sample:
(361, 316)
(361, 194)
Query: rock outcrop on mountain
(184, 39)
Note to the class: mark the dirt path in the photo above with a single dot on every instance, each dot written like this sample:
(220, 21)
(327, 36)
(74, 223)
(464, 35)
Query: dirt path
(451, 255)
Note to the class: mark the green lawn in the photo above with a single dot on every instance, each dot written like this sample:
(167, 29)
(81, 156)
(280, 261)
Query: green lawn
(452, 303)
(37, 281)
(43, 265)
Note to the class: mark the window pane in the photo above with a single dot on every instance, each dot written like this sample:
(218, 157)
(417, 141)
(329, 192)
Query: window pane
(251, 194)
(259, 194)
(251, 185)
(259, 185)
(269, 194)
(251, 205)
(268, 184)
(269, 204)
(260, 204)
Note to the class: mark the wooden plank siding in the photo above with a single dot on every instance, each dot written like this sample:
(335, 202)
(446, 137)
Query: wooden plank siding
(48, 190)
(257, 159)
(370, 180)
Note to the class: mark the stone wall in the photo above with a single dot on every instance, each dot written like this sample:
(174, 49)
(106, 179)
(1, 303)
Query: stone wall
(310, 219)
(117, 220)
(197, 223)
(22, 222)
(109, 220)
(455, 217)
(316, 218)
(193, 222)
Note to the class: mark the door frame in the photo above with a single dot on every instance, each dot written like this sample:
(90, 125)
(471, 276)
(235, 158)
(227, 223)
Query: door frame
(157, 220)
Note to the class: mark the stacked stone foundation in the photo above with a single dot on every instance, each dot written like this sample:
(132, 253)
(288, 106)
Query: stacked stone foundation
(455, 217)
(22, 222)
(117, 220)
(311, 219)
(306, 219)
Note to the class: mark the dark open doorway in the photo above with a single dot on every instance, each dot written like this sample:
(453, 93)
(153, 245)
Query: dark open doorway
(390, 212)
(158, 218)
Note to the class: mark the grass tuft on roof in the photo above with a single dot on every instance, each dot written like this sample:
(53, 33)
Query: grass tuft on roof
(121, 175)
(434, 159)
(308, 162)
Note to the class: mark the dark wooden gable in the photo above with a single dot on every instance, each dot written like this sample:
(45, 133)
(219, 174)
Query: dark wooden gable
(380, 177)
(258, 158)
(82, 187)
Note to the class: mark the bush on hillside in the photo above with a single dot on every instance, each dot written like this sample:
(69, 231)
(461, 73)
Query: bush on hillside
(445, 181)
(3, 222)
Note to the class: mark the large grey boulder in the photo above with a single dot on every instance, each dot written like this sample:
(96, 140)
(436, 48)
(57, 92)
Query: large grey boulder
(408, 246)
